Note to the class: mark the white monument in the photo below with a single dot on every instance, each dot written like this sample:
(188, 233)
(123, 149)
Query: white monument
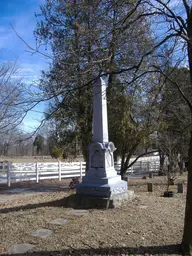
(101, 179)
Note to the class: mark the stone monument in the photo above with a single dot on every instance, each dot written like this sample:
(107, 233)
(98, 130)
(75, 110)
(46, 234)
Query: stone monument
(101, 183)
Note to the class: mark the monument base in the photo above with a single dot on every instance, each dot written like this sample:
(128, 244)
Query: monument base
(112, 186)
(97, 202)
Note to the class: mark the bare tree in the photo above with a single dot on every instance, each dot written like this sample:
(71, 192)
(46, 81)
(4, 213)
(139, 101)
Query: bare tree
(173, 24)
(11, 93)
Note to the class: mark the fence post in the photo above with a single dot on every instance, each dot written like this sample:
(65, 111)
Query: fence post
(37, 172)
(132, 169)
(155, 168)
(59, 169)
(179, 188)
(8, 174)
(148, 167)
(150, 187)
(81, 170)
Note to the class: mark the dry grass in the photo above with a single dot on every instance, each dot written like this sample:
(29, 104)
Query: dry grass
(33, 159)
(150, 224)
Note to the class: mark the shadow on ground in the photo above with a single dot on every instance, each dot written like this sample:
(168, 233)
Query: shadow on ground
(64, 202)
(154, 250)
(34, 189)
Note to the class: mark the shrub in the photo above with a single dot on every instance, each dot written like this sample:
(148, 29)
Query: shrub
(56, 152)
(65, 155)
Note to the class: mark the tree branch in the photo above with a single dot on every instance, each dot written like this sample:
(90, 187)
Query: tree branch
(147, 153)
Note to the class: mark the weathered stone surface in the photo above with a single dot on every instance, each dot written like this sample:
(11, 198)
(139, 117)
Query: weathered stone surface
(100, 121)
(95, 188)
(59, 221)
(20, 248)
(121, 198)
(79, 212)
(42, 233)
(101, 179)
(180, 188)
(98, 202)
(150, 187)
(143, 206)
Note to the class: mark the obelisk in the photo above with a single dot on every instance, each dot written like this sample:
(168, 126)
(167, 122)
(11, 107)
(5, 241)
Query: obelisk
(101, 180)
(100, 120)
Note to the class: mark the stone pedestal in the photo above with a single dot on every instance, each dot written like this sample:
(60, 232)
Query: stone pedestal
(80, 201)
(101, 183)
(102, 179)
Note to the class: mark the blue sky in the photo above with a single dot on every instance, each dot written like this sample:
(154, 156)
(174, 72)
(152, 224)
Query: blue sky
(20, 13)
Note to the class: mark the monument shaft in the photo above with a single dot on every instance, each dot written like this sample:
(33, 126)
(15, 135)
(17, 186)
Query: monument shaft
(101, 179)
(100, 121)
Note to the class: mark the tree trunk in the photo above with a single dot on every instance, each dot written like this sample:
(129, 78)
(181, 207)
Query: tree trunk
(187, 235)
(85, 152)
(180, 164)
(161, 159)
(122, 165)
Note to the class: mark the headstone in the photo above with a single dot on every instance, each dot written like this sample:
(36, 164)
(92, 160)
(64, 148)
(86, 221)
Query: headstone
(42, 233)
(150, 187)
(143, 206)
(180, 188)
(151, 175)
(59, 221)
(20, 248)
(101, 180)
(79, 212)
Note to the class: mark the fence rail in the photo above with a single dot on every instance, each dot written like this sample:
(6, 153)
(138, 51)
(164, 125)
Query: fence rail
(141, 167)
(13, 172)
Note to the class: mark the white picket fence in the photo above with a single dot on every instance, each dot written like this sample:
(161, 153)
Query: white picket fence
(13, 172)
(140, 167)
(144, 166)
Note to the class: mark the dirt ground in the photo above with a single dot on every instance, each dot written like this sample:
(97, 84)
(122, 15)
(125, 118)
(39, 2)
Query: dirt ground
(150, 224)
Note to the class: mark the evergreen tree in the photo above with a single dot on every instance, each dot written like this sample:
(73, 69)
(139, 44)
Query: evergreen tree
(87, 41)
(39, 143)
